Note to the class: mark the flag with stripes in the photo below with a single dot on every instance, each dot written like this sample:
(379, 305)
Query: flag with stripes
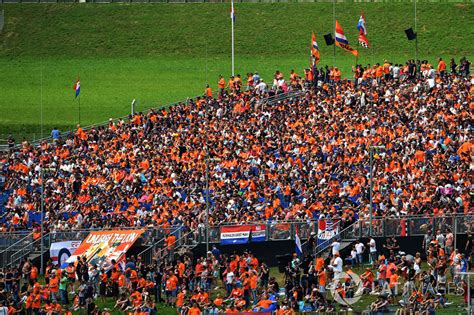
(363, 41)
(314, 49)
(77, 88)
(361, 24)
(341, 40)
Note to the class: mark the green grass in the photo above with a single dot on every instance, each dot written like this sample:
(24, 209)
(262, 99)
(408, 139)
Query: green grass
(163, 53)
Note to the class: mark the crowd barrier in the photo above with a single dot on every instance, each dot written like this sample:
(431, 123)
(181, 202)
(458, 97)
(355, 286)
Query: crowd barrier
(153, 240)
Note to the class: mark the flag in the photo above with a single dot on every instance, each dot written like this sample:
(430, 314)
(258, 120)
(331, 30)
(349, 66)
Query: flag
(299, 249)
(314, 49)
(235, 235)
(361, 24)
(242, 234)
(363, 41)
(77, 88)
(341, 40)
(232, 12)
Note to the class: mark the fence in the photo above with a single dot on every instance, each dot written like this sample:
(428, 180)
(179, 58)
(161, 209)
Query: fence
(154, 238)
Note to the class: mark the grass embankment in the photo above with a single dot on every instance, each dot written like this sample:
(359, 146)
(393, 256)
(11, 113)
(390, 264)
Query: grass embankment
(162, 53)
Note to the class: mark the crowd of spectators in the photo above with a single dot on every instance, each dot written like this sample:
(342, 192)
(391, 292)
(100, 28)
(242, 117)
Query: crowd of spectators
(241, 283)
(288, 160)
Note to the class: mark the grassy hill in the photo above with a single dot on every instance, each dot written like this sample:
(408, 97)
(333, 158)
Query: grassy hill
(162, 53)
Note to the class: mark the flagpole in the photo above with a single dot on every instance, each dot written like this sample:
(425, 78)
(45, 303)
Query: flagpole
(79, 107)
(416, 37)
(334, 28)
(232, 18)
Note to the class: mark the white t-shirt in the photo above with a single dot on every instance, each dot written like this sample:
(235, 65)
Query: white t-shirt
(230, 277)
(372, 245)
(359, 248)
(337, 264)
(335, 247)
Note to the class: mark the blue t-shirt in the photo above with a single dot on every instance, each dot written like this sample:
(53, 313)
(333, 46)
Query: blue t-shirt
(55, 134)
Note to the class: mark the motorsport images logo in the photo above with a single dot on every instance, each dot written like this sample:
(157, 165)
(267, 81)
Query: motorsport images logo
(346, 288)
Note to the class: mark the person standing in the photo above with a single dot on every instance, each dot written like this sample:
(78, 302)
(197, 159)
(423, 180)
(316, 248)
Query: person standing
(55, 134)
(336, 265)
(336, 246)
(221, 85)
(63, 289)
(441, 67)
(208, 91)
(359, 246)
(373, 251)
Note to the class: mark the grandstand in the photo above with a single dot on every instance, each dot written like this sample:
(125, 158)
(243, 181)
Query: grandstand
(279, 193)
(266, 156)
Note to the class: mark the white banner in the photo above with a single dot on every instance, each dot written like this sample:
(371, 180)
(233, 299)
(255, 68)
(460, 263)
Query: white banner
(61, 251)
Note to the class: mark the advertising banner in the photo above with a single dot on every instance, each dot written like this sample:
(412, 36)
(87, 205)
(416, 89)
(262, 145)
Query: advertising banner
(327, 229)
(100, 248)
(242, 234)
(61, 251)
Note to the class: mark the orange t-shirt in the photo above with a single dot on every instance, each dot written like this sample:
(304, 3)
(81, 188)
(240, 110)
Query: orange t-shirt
(54, 284)
(194, 311)
(180, 299)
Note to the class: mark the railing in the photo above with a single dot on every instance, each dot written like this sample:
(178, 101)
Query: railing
(282, 96)
(33, 246)
(154, 238)
(349, 233)
(19, 245)
(159, 250)
(10, 238)
(99, 124)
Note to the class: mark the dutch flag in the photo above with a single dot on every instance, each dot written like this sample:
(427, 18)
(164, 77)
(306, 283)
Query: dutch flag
(339, 35)
(77, 87)
(361, 25)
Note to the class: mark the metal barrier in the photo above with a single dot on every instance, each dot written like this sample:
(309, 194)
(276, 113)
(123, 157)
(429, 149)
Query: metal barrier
(348, 233)
(162, 251)
(8, 239)
(34, 246)
(154, 238)
(19, 245)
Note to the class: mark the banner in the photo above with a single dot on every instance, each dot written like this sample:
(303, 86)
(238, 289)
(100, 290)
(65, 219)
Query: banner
(258, 233)
(240, 234)
(100, 248)
(327, 229)
(61, 251)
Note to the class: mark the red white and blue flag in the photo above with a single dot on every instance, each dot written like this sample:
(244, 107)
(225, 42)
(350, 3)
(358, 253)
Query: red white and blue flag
(361, 24)
(232, 12)
(341, 40)
(77, 88)
(363, 41)
(327, 230)
(242, 234)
